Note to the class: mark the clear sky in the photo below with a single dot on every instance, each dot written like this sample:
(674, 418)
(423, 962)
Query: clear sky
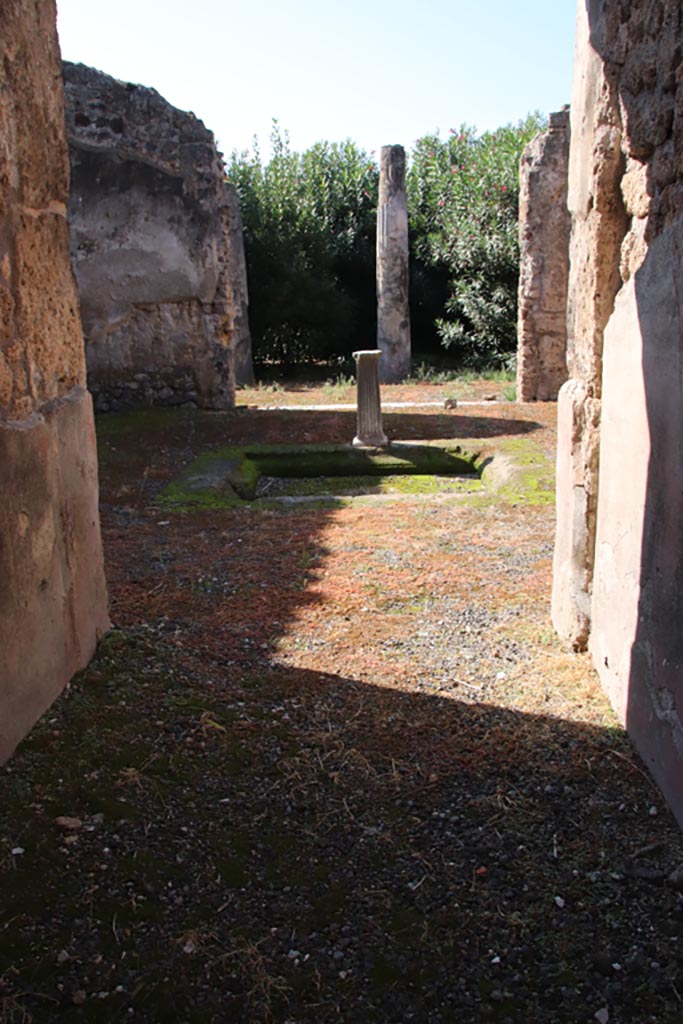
(375, 71)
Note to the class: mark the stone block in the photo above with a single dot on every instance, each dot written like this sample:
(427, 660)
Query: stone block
(578, 418)
(637, 603)
(53, 603)
(47, 318)
(53, 606)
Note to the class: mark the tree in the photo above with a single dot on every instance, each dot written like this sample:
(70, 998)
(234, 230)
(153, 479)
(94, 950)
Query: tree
(463, 198)
(309, 229)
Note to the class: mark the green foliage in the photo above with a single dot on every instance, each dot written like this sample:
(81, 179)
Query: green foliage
(310, 225)
(339, 384)
(425, 373)
(309, 228)
(463, 198)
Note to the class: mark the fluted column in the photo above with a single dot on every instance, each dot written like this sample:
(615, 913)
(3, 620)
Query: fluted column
(369, 433)
(393, 313)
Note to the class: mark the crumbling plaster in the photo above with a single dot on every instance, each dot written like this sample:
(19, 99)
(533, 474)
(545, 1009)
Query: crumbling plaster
(156, 243)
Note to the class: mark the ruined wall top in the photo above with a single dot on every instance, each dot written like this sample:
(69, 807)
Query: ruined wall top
(104, 114)
(558, 121)
(630, 64)
(156, 246)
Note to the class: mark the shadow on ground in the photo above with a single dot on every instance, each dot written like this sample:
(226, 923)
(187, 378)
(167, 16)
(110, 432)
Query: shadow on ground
(151, 445)
(200, 831)
(307, 847)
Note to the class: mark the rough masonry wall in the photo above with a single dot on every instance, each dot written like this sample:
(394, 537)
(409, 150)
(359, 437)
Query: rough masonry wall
(53, 602)
(544, 228)
(626, 340)
(156, 247)
(598, 227)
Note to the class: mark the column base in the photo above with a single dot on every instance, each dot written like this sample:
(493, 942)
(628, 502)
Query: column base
(376, 441)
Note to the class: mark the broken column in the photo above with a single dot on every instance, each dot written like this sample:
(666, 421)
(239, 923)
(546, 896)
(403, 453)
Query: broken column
(238, 294)
(156, 244)
(53, 603)
(393, 314)
(544, 228)
(369, 432)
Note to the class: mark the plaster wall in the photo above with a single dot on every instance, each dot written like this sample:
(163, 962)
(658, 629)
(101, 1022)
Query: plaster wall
(53, 605)
(156, 243)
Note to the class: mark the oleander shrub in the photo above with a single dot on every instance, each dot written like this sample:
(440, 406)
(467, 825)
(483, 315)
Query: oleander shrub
(310, 228)
(309, 231)
(463, 195)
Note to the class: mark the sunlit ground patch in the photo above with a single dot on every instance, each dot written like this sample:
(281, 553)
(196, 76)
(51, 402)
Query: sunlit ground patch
(340, 473)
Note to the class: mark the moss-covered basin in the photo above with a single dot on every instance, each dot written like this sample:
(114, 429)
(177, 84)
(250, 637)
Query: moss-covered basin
(233, 474)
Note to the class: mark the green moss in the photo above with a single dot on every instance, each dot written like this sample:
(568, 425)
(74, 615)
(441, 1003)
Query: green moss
(344, 460)
(420, 484)
(327, 486)
(231, 476)
(280, 846)
(517, 472)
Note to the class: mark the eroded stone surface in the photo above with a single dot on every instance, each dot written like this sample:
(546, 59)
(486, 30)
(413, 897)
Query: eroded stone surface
(598, 227)
(239, 296)
(157, 249)
(544, 227)
(393, 312)
(52, 594)
(625, 338)
(578, 416)
(369, 432)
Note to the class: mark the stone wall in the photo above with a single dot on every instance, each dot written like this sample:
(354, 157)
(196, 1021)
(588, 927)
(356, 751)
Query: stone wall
(544, 227)
(156, 244)
(618, 582)
(52, 593)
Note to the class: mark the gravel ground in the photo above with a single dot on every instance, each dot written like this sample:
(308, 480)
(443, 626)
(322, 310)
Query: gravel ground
(332, 765)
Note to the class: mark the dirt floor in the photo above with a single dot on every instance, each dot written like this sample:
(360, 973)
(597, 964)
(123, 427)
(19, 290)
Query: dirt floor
(332, 763)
